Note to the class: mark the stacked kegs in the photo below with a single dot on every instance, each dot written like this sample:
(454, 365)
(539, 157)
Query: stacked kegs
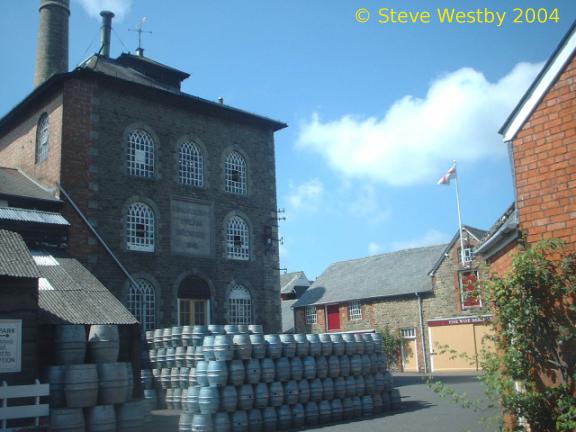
(295, 380)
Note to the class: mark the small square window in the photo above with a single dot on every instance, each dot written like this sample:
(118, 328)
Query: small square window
(311, 317)
(354, 311)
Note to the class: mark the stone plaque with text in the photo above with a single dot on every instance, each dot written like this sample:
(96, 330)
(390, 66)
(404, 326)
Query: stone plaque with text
(191, 228)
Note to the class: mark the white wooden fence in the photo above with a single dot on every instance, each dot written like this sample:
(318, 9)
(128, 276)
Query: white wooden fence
(24, 411)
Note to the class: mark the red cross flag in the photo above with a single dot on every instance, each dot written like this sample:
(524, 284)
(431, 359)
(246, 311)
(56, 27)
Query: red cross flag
(450, 174)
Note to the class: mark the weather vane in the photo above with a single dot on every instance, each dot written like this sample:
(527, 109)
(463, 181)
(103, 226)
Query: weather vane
(140, 30)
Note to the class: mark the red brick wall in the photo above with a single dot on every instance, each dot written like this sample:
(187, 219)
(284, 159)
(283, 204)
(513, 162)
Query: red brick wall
(544, 152)
(501, 263)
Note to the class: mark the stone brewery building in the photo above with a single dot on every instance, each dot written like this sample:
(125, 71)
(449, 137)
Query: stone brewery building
(171, 198)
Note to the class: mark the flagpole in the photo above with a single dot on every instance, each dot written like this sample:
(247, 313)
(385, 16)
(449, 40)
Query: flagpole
(459, 215)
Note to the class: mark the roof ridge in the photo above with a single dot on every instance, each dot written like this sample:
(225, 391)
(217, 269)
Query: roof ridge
(400, 251)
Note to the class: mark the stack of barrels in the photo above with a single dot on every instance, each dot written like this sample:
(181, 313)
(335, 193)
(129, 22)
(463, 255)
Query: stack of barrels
(89, 388)
(247, 381)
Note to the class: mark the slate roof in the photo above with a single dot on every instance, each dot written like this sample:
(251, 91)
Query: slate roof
(15, 258)
(34, 216)
(288, 281)
(476, 232)
(391, 274)
(287, 316)
(74, 295)
(14, 182)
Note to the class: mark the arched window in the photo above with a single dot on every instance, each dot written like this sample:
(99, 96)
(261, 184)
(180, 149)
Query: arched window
(142, 303)
(140, 228)
(237, 239)
(191, 165)
(239, 306)
(235, 174)
(140, 154)
(42, 135)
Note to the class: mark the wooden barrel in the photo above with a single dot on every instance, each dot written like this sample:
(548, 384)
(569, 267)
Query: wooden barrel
(336, 406)
(347, 408)
(236, 372)
(81, 385)
(339, 388)
(282, 366)
(321, 367)
(240, 421)
(349, 344)
(54, 375)
(267, 370)
(291, 392)
(112, 384)
(261, 395)
(255, 420)
(288, 345)
(202, 423)
(269, 419)
(130, 416)
(377, 402)
(333, 366)
(395, 400)
(223, 347)
(367, 406)
(314, 346)
(360, 385)
(350, 386)
(67, 420)
(276, 392)
(378, 342)
(298, 416)
(366, 364)
(338, 346)
(382, 362)
(258, 346)
(242, 346)
(222, 422)
(284, 417)
(208, 400)
(356, 364)
(327, 389)
(229, 398)
(356, 407)
(303, 391)
(69, 344)
(296, 369)
(273, 346)
(326, 344)
(185, 422)
(324, 412)
(245, 397)
(388, 381)
(253, 371)
(386, 402)
(373, 363)
(103, 344)
(309, 365)
(311, 413)
(316, 390)
(101, 418)
(301, 345)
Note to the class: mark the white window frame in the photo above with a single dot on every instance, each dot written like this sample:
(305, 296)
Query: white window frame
(42, 138)
(142, 303)
(237, 239)
(140, 154)
(140, 228)
(311, 315)
(235, 174)
(408, 333)
(239, 305)
(190, 165)
(354, 310)
(468, 255)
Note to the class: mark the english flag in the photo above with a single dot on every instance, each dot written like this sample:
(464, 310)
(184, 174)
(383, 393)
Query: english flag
(450, 174)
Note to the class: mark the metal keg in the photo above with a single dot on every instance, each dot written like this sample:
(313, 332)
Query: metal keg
(350, 386)
(368, 343)
(223, 347)
(185, 422)
(243, 329)
(165, 378)
(309, 365)
(170, 357)
(324, 412)
(180, 356)
(367, 406)
(175, 377)
(199, 332)
(242, 346)
(360, 385)
(327, 389)
(202, 423)
(222, 422)
(198, 354)
(282, 366)
(301, 344)
(186, 336)
(284, 417)
(177, 398)
(161, 358)
(190, 356)
(359, 343)
(261, 395)
(339, 388)
(229, 398)
(369, 384)
(344, 365)
(276, 392)
(296, 369)
(366, 364)
(167, 337)
(338, 347)
(337, 409)
(311, 412)
(240, 421)
(170, 398)
(269, 419)
(253, 371)
(267, 369)
(202, 373)
(192, 399)
(236, 372)
(356, 407)
(255, 420)
(316, 390)
(326, 344)
(176, 336)
(245, 397)
(208, 400)
(208, 347)
(193, 377)
(231, 329)
(321, 367)
(158, 338)
(273, 346)
(184, 380)
(151, 398)
(258, 346)
(298, 416)
(356, 364)
(288, 345)
(314, 346)
(347, 408)
(217, 373)
(303, 391)
(216, 329)
(333, 366)
(256, 328)
(69, 344)
(291, 392)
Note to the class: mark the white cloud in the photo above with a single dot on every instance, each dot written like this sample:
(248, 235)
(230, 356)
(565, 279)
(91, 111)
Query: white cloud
(306, 196)
(417, 138)
(94, 7)
(374, 248)
(366, 205)
(431, 237)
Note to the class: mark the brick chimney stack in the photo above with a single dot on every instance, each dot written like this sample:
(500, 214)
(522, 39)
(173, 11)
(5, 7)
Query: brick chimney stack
(52, 49)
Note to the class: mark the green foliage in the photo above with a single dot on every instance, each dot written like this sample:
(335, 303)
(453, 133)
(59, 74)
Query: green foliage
(391, 346)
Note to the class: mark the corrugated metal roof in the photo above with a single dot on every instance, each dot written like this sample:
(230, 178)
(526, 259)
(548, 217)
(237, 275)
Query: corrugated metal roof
(15, 259)
(36, 216)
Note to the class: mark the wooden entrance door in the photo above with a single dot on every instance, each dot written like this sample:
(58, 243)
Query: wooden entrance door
(333, 317)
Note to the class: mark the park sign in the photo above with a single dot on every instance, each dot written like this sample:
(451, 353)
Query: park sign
(10, 346)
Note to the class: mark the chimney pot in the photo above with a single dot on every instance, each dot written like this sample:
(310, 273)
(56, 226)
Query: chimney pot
(106, 30)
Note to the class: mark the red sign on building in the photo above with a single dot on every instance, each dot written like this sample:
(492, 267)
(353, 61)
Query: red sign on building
(468, 290)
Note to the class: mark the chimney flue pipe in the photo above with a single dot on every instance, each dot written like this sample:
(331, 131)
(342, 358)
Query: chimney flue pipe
(106, 30)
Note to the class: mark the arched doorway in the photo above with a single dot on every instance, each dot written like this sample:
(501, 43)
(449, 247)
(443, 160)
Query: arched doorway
(193, 301)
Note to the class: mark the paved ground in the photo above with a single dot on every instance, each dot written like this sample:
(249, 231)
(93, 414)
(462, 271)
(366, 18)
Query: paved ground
(423, 410)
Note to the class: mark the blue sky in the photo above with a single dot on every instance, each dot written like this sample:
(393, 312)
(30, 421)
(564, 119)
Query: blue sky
(376, 112)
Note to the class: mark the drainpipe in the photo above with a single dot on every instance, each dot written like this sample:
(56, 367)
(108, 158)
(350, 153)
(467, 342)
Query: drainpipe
(423, 339)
